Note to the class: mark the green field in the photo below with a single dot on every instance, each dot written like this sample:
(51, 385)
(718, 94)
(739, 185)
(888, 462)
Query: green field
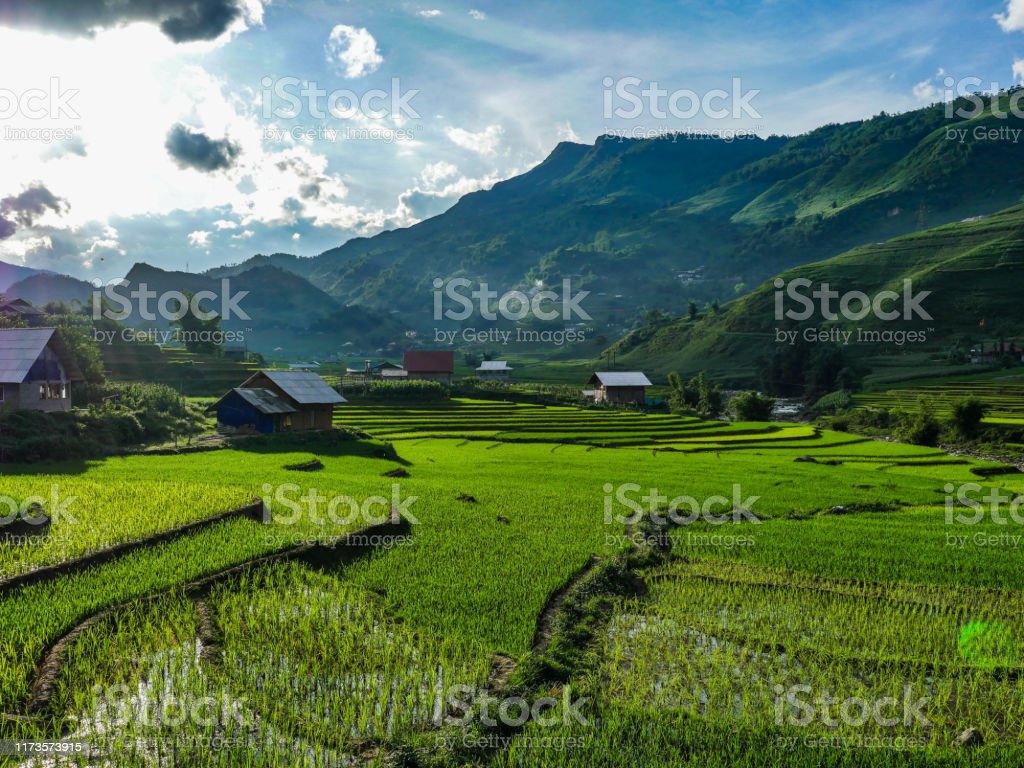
(844, 578)
(1002, 393)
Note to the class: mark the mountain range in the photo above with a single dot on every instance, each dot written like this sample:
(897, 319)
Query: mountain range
(651, 225)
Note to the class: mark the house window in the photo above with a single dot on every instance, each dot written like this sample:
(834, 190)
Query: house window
(53, 391)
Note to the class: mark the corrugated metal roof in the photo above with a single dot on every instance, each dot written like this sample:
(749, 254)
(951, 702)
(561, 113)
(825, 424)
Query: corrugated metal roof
(305, 387)
(423, 361)
(621, 379)
(20, 348)
(21, 307)
(265, 401)
(494, 365)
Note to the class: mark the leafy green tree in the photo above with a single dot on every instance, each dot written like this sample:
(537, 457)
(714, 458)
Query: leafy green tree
(197, 334)
(751, 406)
(967, 415)
(694, 396)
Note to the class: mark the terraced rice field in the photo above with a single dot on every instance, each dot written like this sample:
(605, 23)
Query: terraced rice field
(532, 564)
(1004, 396)
(516, 422)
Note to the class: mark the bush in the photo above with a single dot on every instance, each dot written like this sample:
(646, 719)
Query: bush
(966, 418)
(750, 406)
(410, 391)
(129, 415)
(694, 396)
(920, 427)
(833, 402)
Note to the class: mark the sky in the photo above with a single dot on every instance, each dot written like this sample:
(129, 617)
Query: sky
(190, 134)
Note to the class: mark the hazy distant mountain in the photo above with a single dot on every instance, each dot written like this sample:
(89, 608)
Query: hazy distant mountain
(41, 288)
(11, 274)
(298, 265)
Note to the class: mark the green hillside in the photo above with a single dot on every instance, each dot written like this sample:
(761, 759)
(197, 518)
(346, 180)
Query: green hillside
(656, 223)
(191, 374)
(972, 269)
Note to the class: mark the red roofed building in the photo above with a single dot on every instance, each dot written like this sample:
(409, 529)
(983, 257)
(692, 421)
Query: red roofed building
(431, 366)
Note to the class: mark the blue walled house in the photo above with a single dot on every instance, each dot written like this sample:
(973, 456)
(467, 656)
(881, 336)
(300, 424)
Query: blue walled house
(259, 408)
(279, 401)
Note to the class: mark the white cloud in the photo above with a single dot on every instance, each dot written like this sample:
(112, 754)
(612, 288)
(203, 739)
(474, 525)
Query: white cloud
(353, 50)
(439, 187)
(296, 236)
(1013, 19)
(225, 224)
(433, 173)
(927, 91)
(478, 15)
(483, 142)
(199, 239)
(566, 133)
(430, 13)
(1018, 70)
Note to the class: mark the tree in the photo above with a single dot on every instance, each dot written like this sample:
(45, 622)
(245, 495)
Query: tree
(694, 396)
(751, 406)
(967, 415)
(691, 310)
(198, 335)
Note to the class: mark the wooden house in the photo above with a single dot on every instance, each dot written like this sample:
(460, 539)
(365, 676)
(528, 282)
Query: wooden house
(280, 401)
(36, 370)
(494, 370)
(430, 365)
(619, 387)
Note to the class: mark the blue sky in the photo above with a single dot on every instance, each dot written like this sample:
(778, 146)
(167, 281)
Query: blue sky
(165, 153)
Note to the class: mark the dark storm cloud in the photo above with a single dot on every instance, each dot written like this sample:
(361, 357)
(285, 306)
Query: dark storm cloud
(194, 149)
(181, 20)
(24, 208)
